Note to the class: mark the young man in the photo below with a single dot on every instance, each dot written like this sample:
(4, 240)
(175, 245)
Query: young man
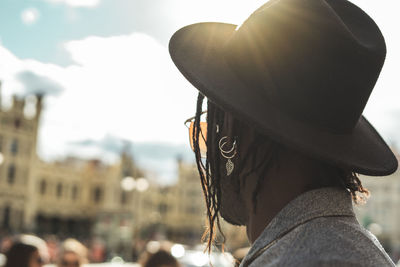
(285, 135)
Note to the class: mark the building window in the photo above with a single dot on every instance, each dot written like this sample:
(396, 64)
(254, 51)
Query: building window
(20, 218)
(74, 192)
(59, 189)
(163, 208)
(6, 217)
(11, 174)
(43, 186)
(124, 198)
(17, 123)
(97, 194)
(14, 147)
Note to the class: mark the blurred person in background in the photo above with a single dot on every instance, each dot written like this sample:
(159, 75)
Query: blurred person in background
(72, 254)
(53, 245)
(27, 251)
(157, 254)
(97, 251)
(161, 258)
(5, 243)
(284, 136)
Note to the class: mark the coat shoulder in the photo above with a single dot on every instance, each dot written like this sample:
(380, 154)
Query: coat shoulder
(327, 241)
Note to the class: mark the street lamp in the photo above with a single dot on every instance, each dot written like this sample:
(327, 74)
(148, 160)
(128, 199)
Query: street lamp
(128, 183)
(178, 251)
(142, 184)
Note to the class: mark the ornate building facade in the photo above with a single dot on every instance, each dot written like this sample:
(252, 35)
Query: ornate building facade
(18, 135)
(87, 198)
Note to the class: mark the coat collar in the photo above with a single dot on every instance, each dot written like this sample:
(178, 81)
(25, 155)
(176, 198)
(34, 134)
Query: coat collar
(322, 202)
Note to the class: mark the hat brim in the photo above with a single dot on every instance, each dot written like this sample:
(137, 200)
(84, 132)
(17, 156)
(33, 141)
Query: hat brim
(197, 52)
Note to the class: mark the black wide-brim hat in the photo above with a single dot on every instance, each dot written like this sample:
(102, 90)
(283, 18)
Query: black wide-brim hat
(300, 71)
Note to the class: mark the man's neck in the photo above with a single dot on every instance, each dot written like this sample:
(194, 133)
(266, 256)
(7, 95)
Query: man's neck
(278, 188)
(268, 206)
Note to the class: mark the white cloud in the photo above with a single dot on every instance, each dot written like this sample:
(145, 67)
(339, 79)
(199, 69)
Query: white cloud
(77, 3)
(30, 15)
(125, 86)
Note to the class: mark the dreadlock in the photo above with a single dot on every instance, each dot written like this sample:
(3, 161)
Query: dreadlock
(263, 147)
(348, 180)
(209, 189)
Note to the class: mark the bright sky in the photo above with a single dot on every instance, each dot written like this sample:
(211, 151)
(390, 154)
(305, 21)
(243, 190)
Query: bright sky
(107, 70)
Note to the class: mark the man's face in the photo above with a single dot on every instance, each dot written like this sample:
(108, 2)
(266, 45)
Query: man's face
(233, 205)
(236, 187)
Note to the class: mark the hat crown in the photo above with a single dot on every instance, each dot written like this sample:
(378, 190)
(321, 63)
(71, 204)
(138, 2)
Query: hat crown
(323, 56)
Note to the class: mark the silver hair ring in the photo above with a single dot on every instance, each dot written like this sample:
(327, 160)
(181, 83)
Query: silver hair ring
(221, 145)
(229, 164)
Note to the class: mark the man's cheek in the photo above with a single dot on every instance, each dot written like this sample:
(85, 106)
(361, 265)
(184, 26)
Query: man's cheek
(233, 208)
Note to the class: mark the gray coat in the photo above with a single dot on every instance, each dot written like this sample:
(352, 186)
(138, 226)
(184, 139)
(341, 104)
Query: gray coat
(318, 228)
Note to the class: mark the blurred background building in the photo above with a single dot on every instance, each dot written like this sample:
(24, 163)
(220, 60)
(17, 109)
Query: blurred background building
(115, 204)
(118, 207)
(18, 135)
(381, 213)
